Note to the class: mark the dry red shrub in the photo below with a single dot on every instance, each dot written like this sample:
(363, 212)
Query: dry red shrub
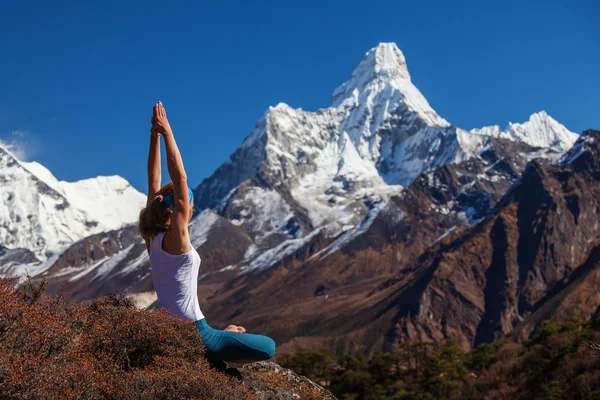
(56, 349)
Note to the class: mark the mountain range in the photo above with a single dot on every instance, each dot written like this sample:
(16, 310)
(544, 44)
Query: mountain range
(357, 226)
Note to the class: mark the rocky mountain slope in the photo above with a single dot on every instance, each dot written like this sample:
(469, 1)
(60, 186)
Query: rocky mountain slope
(534, 257)
(344, 294)
(540, 240)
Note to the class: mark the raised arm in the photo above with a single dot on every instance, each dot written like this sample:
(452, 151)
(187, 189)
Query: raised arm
(154, 173)
(182, 209)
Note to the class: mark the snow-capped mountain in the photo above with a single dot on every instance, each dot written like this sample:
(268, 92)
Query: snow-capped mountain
(299, 176)
(299, 170)
(42, 215)
(541, 130)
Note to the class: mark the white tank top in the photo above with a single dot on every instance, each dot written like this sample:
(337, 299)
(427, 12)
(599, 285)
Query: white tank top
(175, 280)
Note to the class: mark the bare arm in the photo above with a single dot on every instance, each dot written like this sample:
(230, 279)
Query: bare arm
(154, 173)
(180, 217)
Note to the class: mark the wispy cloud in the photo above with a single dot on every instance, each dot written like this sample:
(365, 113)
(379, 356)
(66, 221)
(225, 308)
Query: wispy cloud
(19, 143)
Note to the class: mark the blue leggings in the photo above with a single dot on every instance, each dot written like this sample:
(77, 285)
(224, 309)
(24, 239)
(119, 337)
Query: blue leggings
(232, 346)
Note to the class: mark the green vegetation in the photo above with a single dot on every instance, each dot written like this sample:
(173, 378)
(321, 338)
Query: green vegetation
(560, 361)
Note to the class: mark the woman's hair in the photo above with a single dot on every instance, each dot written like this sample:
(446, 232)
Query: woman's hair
(156, 217)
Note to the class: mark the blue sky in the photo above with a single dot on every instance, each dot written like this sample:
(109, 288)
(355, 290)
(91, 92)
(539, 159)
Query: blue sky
(78, 79)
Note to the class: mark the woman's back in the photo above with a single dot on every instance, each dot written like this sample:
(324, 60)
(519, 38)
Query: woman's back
(164, 225)
(175, 280)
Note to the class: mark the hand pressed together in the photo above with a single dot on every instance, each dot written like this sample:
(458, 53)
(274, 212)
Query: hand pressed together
(160, 123)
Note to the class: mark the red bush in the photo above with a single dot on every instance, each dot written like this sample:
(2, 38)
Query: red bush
(56, 349)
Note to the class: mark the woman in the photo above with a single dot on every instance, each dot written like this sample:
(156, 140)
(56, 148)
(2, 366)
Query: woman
(175, 263)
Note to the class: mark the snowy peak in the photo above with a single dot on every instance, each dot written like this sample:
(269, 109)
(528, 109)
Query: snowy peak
(383, 63)
(108, 200)
(12, 168)
(541, 130)
(42, 173)
(544, 131)
(382, 77)
(388, 61)
(41, 214)
(111, 200)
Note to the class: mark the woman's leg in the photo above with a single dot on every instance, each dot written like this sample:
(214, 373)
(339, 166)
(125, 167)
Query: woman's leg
(234, 346)
(244, 347)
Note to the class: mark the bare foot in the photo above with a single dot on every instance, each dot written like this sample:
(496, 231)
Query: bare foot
(235, 328)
